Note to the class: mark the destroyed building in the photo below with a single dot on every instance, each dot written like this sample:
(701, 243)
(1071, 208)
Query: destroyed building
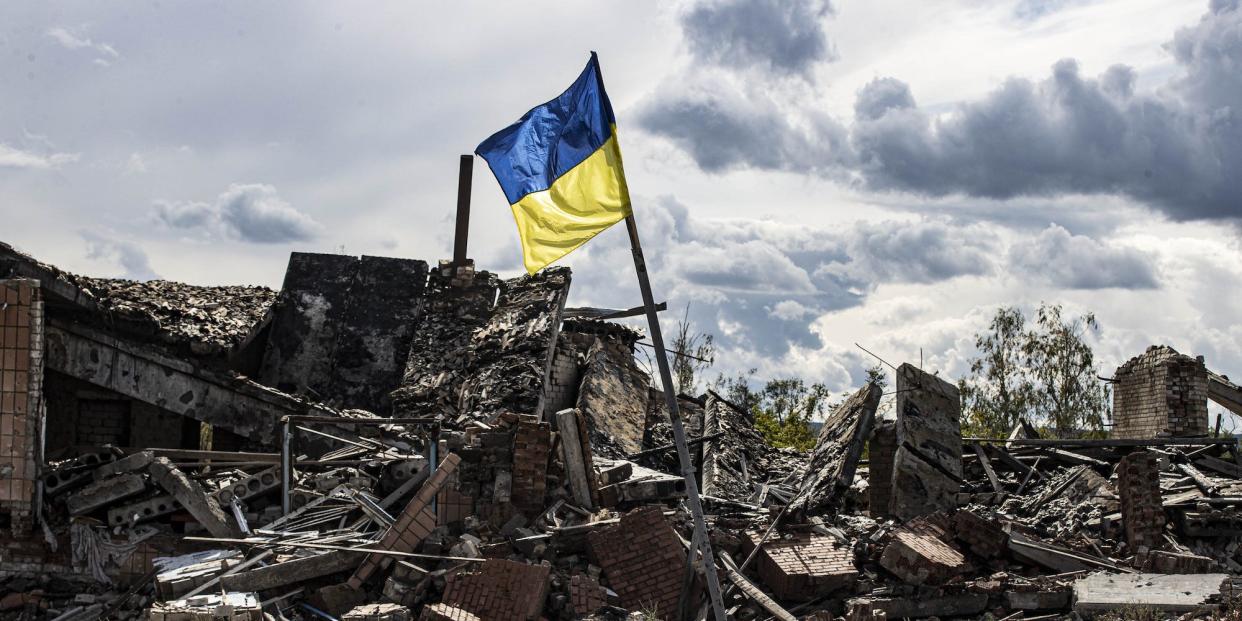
(385, 440)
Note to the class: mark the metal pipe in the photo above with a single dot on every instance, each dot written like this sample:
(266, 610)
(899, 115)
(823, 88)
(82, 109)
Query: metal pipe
(286, 466)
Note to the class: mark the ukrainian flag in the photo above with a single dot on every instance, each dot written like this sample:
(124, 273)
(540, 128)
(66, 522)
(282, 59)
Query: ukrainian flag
(560, 168)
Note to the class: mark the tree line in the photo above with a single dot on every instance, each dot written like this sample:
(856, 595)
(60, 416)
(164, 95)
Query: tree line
(1041, 372)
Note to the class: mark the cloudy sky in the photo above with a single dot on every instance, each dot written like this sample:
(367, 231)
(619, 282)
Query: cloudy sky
(806, 174)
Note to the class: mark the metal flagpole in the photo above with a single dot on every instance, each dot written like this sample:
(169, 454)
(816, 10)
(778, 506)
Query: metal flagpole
(679, 432)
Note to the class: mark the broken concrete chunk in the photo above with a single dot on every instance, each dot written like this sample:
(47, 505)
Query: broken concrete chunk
(837, 451)
(292, 571)
(1169, 593)
(377, 612)
(927, 464)
(132, 463)
(205, 508)
(103, 493)
(211, 607)
(613, 397)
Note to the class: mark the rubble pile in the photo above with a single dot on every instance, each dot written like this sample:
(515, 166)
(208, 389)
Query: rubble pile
(445, 444)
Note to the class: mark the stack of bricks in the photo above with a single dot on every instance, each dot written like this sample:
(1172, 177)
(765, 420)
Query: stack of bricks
(501, 590)
(586, 595)
(1161, 562)
(532, 444)
(642, 559)
(411, 527)
(1159, 394)
(983, 537)
(919, 553)
(21, 390)
(804, 566)
(1142, 511)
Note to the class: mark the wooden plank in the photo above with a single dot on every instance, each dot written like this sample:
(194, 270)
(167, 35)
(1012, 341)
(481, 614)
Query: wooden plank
(987, 469)
(1204, 484)
(1219, 465)
(575, 462)
(754, 592)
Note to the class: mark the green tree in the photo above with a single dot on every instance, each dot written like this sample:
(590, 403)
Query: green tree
(1045, 375)
(737, 390)
(1068, 395)
(998, 390)
(786, 409)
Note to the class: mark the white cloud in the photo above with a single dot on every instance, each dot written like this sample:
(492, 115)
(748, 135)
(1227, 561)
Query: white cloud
(1080, 262)
(75, 39)
(12, 157)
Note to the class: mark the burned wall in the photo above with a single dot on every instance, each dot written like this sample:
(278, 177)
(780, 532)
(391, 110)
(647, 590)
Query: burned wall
(837, 451)
(1160, 393)
(615, 399)
(483, 347)
(342, 326)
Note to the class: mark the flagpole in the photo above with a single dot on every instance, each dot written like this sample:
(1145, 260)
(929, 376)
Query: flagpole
(679, 431)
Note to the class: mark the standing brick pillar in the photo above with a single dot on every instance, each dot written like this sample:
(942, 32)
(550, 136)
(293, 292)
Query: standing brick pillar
(532, 443)
(1160, 393)
(1138, 484)
(21, 399)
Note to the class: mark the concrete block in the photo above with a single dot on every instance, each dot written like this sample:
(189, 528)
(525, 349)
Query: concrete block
(103, 493)
(205, 508)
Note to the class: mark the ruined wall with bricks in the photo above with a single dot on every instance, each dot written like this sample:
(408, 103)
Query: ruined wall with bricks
(561, 390)
(21, 398)
(803, 566)
(532, 445)
(1160, 393)
(642, 561)
(79, 414)
(1142, 511)
(501, 590)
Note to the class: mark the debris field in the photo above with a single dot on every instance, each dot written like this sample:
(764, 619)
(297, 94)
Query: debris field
(385, 440)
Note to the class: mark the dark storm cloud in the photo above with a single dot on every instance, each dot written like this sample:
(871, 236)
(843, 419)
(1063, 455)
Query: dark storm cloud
(248, 212)
(723, 125)
(1177, 149)
(786, 37)
(1079, 262)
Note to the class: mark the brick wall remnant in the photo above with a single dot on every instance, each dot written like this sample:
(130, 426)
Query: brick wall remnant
(837, 451)
(416, 521)
(804, 566)
(1142, 512)
(1160, 393)
(500, 590)
(21, 399)
(919, 553)
(586, 595)
(532, 444)
(927, 463)
(642, 560)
